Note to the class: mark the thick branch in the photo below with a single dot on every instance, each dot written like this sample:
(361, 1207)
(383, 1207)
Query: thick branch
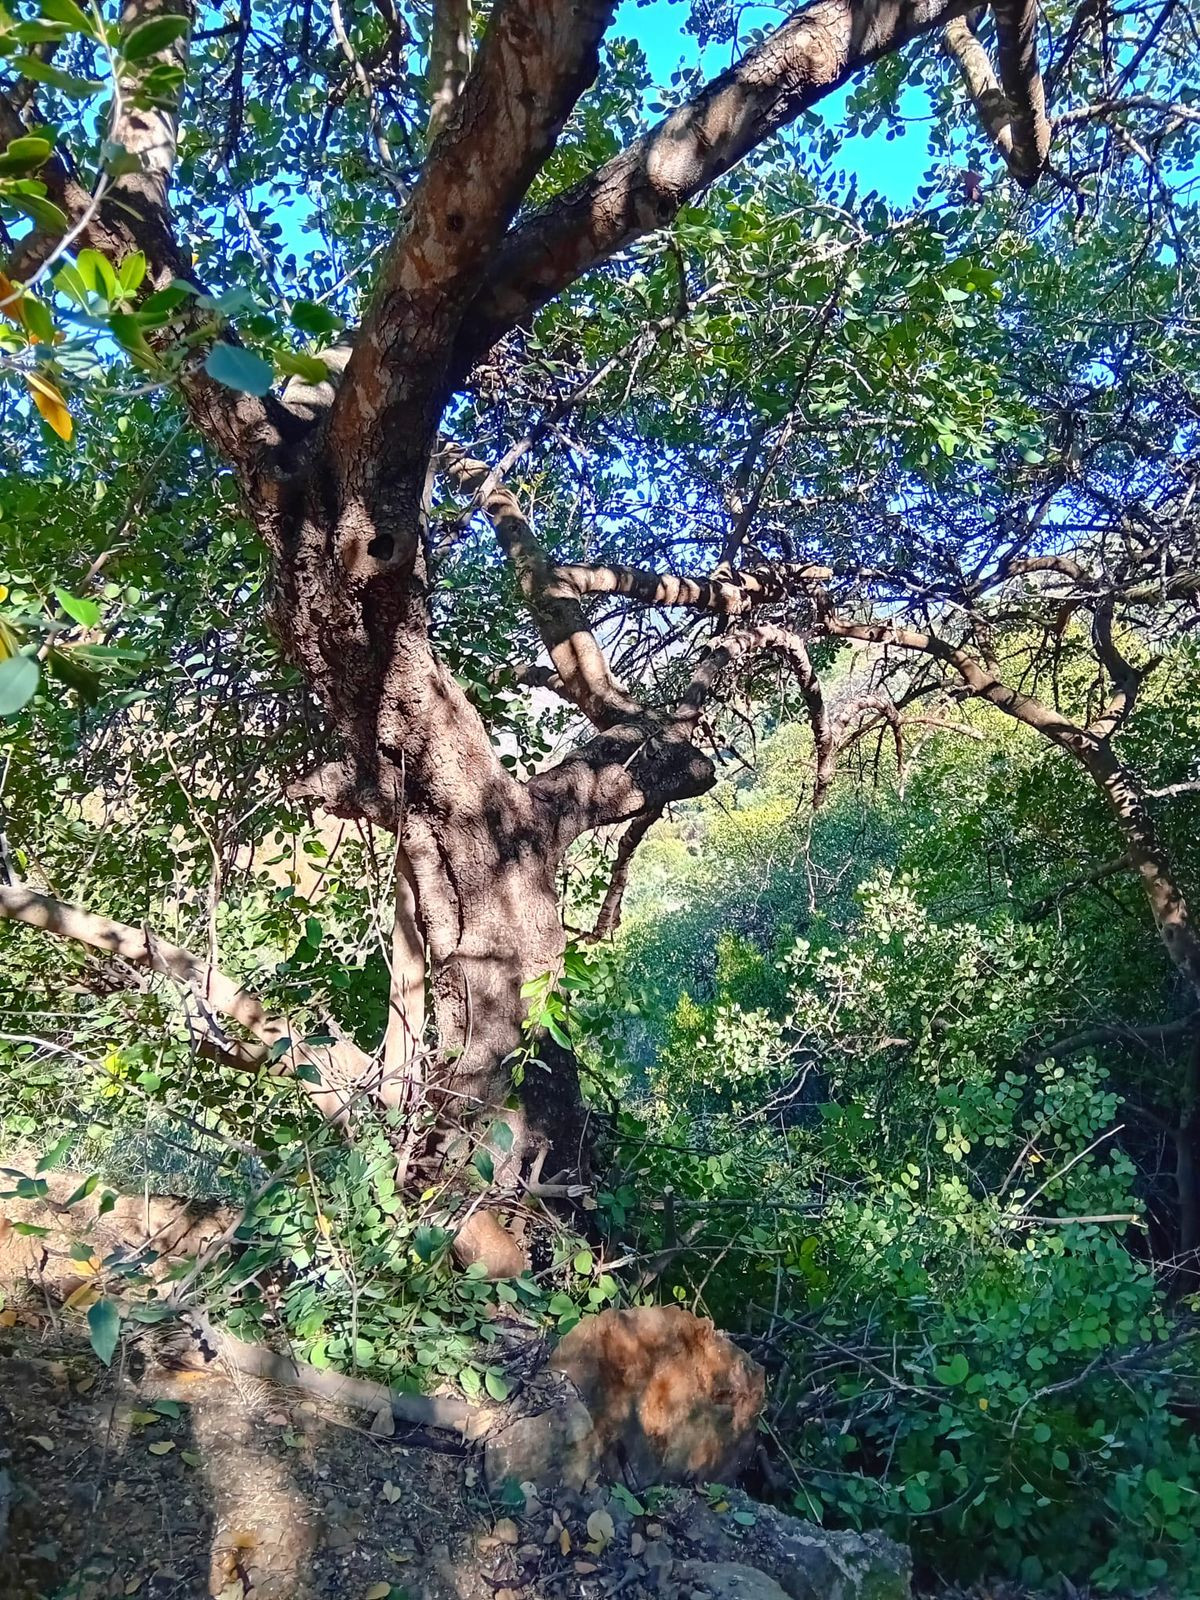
(643, 187)
(1016, 53)
(728, 593)
(535, 61)
(975, 68)
(449, 59)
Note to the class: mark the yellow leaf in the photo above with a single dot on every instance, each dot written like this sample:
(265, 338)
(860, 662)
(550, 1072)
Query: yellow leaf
(50, 402)
(3, 593)
(564, 1542)
(323, 1227)
(8, 1319)
(10, 301)
(161, 1447)
(378, 1591)
(86, 1295)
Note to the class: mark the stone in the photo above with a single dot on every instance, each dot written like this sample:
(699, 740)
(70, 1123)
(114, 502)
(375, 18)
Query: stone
(670, 1397)
(808, 1562)
(727, 1580)
(483, 1238)
(553, 1448)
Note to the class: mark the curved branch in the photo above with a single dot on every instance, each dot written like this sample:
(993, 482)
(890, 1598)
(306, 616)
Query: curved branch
(340, 1070)
(583, 670)
(814, 52)
(608, 918)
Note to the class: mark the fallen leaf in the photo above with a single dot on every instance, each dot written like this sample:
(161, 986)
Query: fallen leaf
(141, 1418)
(161, 1447)
(600, 1531)
(586, 1566)
(564, 1542)
(378, 1591)
(390, 1493)
(8, 1319)
(190, 1456)
(88, 1381)
(507, 1531)
(80, 1299)
(133, 1585)
(636, 1544)
(43, 1441)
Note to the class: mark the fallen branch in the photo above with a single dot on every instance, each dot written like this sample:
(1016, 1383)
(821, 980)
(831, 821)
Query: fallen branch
(360, 1394)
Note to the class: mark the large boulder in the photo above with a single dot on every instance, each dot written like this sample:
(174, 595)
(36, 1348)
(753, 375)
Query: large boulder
(671, 1399)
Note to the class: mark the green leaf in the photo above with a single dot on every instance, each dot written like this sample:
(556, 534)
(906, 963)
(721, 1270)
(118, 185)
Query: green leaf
(71, 15)
(86, 1188)
(44, 212)
(68, 83)
(313, 932)
(55, 1153)
(152, 37)
(104, 1329)
(953, 1371)
(318, 321)
(129, 331)
(496, 1386)
(917, 1495)
(583, 1261)
(19, 678)
(97, 272)
(239, 369)
(24, 156)
(165, 1408)
(296, 364)
(85, 612)
(132, 271)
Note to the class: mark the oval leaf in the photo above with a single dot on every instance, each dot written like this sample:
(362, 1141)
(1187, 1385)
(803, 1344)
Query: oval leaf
(152, 37)
(104, 1328)
(19, 677)
(239, 369)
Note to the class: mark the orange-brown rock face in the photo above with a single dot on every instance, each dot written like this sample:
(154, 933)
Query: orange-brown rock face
(670, 1397)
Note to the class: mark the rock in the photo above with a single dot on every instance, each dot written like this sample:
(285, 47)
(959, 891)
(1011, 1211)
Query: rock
(556, 1447)
(668, 1395)
(808, 1562)
(483, 1238)
(727, 1580)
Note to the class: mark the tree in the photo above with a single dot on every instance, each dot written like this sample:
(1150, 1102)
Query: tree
(479, 227)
